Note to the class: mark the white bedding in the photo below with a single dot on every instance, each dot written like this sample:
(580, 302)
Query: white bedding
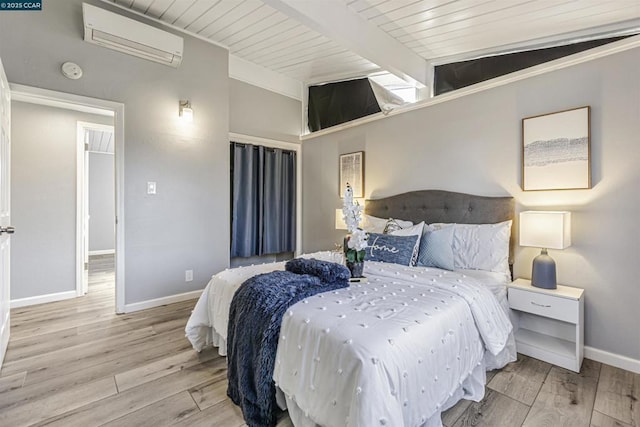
(210, 318)
(395, 351)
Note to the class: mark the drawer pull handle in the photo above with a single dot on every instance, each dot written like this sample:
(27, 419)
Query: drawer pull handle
(540, 305)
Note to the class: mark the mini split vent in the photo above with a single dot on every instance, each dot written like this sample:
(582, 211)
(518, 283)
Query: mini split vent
(126, 35)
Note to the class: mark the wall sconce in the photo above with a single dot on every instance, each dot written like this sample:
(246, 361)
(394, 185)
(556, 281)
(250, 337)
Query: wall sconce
(185, 111)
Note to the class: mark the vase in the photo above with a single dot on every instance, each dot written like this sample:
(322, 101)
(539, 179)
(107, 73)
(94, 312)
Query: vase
(355, 268)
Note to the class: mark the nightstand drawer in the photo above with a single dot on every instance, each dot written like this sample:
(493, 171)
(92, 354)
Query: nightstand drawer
(563, 309)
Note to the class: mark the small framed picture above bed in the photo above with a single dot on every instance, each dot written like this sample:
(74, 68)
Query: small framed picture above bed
(352, 173)
(556, 151)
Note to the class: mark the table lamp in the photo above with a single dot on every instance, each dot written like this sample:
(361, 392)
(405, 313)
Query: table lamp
(545, 230)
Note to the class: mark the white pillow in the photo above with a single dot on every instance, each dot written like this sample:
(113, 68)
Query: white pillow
(482, 246)
(374, 224)
(414, 230)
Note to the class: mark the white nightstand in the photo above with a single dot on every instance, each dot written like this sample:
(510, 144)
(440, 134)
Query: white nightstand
(551, 323)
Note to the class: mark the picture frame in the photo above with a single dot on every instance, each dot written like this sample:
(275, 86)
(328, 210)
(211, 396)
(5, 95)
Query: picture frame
(556, 150)
(351, 168)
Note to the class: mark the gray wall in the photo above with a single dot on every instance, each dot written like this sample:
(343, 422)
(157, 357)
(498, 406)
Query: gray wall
(180, 227)
(473, 145)
(43, 198)
(101, 202)
(258, 112)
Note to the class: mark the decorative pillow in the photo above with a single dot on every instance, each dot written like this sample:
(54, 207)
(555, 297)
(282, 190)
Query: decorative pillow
(436, 248)
(482, 246)
(414, 230)
(374, 224)
(390, 248)
(392, 225)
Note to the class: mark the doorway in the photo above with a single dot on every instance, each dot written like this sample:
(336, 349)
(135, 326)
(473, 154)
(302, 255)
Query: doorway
(115, 112)
(95, 205)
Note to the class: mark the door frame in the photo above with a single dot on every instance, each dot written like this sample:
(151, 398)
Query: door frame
(82, 202)
(86, 104)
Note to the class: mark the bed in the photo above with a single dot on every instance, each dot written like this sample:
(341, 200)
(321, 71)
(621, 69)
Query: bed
(397, 350)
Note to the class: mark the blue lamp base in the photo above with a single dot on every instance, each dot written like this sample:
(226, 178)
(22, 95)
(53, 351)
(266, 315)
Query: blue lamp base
(544, 271)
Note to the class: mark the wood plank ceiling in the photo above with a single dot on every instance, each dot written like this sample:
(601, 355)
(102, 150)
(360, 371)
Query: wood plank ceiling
(99, 141)
(302, 40)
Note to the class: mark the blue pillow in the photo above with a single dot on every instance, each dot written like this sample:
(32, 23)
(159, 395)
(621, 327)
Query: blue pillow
(390, 248)
(436, 249)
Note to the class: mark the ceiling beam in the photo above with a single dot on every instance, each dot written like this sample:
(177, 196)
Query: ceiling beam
(254, 74)
(335, 20)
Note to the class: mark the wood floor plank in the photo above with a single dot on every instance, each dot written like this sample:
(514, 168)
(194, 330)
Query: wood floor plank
(211, 393)
(522, 379)
(34, 345)
(566, 398)
(58, 403)
(598, 419)
(165, 366)
(114, 407)
(76, 354)
(223, 414)
(12, 382)
(178, 323)
(166, 412)
(144, 346)
(618, 395)
(44, 327)
(56, 384)
(495, 410)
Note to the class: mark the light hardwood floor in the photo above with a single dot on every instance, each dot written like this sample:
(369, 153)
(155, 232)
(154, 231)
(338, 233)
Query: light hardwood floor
(76, 363)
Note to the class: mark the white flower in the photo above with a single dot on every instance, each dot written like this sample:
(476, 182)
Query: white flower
(351, 212)
(358, 240)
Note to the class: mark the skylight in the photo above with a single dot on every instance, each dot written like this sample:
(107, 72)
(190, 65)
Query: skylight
(396, 85)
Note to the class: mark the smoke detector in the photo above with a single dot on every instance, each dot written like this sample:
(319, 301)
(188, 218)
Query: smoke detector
(71, 70)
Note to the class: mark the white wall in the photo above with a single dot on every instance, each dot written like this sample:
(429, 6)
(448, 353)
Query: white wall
(101, 202)
(43, 198)
(184, 226)
(473, 144)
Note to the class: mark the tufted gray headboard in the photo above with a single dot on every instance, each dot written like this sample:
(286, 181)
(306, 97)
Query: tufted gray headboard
(445, 206)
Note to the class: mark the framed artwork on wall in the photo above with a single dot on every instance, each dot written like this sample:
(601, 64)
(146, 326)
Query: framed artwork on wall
(556, 151)
(352, 173)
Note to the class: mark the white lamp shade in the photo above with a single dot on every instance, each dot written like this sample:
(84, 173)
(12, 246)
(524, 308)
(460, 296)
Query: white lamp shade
(340, 224)
(545, 229)
(187, 114)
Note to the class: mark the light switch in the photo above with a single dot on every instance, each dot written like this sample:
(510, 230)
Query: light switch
(151, 187)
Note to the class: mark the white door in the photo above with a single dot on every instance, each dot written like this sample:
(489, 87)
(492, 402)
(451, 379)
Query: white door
(5, 214)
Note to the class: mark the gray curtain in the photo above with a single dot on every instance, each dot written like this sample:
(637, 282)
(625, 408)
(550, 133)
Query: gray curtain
(263, 200)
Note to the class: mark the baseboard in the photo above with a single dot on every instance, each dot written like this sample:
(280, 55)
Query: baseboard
(143, 305)
(102, 252)
(622, 362)
(42, 299)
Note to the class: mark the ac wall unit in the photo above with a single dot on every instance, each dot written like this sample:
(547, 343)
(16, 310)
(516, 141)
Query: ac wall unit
(126, 35)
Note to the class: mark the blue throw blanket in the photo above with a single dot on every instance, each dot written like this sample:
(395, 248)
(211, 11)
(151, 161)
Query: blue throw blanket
(254, 328)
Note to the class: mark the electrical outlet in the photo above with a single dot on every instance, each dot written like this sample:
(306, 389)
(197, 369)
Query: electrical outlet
(188, 275)
(151, 187)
